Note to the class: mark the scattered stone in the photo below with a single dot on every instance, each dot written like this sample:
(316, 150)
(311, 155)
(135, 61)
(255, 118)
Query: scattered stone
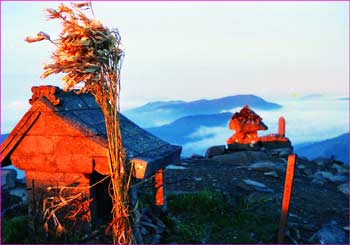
(307, 172)
(143, 231)
(318, 179)
(252, 185)
(197, 178)
(344, 188)
(322, 162)
(276, 144)
(329, 234)
(282, 152)
(175, 167)
(160, 223)
(215, 150)
(293, 234)
(264, 166)
(272, 174)
(148, 224)
(242, 147)
(329, 176)
(341, 169)
(184, 163)
(301, 166)
(241, 157)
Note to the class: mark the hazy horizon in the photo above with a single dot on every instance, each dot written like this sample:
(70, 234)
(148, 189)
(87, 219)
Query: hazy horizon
(192, 50)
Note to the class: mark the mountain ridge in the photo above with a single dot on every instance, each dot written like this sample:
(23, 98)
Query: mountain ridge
(338, 147)
(169, 111)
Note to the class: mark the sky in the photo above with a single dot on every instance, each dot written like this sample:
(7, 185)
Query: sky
(192, 50)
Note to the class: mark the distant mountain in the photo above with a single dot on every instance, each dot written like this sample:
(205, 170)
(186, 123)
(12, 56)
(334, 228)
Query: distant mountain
(312, 96)
(337, 147)
(163, 112)
(178, 132)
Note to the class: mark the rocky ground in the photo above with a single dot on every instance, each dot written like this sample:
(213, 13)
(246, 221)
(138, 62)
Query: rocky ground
(319, 211)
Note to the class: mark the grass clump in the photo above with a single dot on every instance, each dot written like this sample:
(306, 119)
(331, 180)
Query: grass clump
(16, 230)
(211, 217)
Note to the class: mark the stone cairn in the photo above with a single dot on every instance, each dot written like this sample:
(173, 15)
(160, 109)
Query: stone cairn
(246, 123)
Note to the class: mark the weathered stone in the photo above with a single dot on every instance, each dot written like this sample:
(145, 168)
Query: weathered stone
(241, 157)
(272, 174)
(322, 162)
(307, 171)
(252, 185)
(329, 176)
(329, 234)
(175, 167)
(265, 166)
(282, 152)
(344, 188)
(215, 150)
(341, 169)
(242, 147)
(150, 225)
(276, 144)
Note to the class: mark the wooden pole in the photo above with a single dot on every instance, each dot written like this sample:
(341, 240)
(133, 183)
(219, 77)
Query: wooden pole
(288, 187)
(281, 126)
(159, 189)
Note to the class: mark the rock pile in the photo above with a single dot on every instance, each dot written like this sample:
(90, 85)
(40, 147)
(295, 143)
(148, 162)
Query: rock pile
(320, 191)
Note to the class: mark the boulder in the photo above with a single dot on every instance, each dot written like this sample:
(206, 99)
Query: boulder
(329, 234)
(215, 150)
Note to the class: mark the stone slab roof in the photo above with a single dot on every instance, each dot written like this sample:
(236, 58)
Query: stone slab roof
(82, 112)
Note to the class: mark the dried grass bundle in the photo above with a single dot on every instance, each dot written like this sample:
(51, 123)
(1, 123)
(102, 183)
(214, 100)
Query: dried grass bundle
(91, 57)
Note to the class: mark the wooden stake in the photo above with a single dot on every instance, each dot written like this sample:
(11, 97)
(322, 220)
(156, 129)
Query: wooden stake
(281, 126)
(288, 186)
(159, 188)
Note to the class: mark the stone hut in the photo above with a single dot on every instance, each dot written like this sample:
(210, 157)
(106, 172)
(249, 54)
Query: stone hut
(61, 141)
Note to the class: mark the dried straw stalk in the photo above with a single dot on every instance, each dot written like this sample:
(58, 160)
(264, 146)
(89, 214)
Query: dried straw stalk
(90, 56)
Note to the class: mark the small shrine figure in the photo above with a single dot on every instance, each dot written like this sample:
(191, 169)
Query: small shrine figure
(246, 123)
